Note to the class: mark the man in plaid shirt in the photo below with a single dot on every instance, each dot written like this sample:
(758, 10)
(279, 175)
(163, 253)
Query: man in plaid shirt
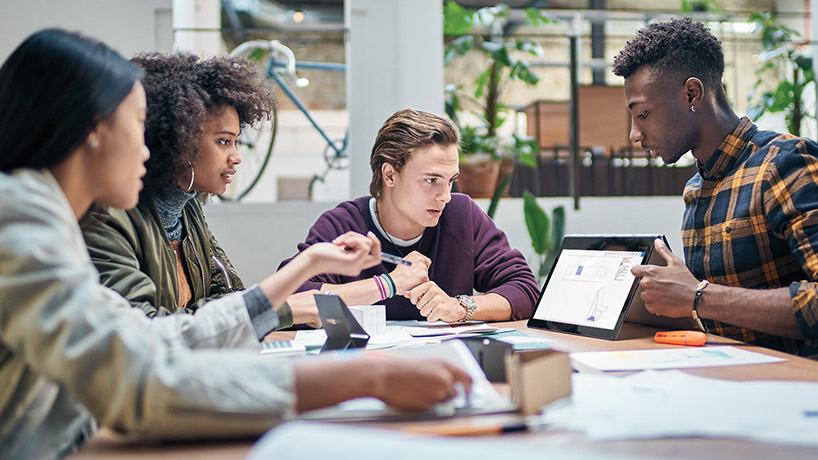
(750, 226)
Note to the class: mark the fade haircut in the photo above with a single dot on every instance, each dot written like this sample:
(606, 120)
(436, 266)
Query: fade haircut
(403, 133)
(676, 50)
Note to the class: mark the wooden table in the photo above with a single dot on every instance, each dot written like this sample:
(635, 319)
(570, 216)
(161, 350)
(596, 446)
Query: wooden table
(108, 445)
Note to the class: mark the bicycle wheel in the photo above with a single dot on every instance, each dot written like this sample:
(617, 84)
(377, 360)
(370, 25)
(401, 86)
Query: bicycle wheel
(255, 145)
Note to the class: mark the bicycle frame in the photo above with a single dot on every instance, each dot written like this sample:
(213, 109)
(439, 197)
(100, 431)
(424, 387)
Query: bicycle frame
(280, 57)
(273, 73)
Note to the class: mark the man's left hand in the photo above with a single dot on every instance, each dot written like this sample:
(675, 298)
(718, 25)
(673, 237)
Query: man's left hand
(435, 304)
(667, 291)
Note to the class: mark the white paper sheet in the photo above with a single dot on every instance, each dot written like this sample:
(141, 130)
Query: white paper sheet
(656, 404)
(300, 440)
(670, 358)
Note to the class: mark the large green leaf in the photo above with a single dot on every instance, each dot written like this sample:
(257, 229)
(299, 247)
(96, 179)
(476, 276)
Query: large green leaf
(782, 98)
(458, 47)
(452, 102)
(527, 149)
(529, 47)
(537, 17)
(698, 6)
(480, 83)
(804, 62)
(489, 15)
(558, 221)
(469, 141)
(456, 19)
(772, 54)
(497, 51)
(536, 221)
(521, 70)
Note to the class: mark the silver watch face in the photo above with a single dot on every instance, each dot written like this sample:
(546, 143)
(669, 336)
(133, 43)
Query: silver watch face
(467, 301)
(469, 304)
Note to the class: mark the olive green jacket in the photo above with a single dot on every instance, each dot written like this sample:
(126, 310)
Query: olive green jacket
(132, 253)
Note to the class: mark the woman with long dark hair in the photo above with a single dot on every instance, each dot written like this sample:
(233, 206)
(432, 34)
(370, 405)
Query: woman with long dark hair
(73, 353)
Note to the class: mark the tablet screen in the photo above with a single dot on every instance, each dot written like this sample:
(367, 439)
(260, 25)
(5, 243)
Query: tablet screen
(590, 285)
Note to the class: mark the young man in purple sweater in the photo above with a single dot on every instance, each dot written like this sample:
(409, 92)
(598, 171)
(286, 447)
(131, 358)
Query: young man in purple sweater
(454, 247)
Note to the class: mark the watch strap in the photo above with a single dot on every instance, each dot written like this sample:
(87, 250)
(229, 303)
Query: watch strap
(699, 291)
(469, 304)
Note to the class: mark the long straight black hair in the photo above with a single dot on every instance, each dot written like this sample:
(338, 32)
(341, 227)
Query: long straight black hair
(54, 90)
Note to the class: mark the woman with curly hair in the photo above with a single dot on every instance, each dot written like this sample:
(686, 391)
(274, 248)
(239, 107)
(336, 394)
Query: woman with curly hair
(161, 255)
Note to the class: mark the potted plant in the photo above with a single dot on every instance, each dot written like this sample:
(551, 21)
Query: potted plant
(787, 66)
(485, 149)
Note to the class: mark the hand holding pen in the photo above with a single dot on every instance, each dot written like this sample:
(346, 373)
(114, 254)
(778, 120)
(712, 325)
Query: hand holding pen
(410, 274)
(393, 259)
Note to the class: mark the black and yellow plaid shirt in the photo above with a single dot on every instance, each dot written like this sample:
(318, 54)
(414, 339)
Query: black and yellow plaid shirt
(751, 220)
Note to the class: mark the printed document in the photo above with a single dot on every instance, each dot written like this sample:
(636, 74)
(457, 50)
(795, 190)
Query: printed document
(670, 358)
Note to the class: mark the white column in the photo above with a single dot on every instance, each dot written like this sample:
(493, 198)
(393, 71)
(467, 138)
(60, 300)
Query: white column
(196, 26)
(394, 59)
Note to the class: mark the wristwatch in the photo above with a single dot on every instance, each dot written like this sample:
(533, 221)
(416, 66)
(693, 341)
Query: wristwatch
(699, 291)
(469, 304)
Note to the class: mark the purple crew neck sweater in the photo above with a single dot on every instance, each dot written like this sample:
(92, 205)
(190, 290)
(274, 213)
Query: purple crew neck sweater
(468, 252)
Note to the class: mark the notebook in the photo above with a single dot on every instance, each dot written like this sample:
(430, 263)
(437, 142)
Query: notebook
(343, 330)
(282, 348)
(591, 291)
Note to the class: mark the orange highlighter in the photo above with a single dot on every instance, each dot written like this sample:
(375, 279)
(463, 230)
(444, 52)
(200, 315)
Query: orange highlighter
(692, 338)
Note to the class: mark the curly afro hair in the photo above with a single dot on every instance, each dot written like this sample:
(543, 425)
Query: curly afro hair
(676, 50)
(182, 90)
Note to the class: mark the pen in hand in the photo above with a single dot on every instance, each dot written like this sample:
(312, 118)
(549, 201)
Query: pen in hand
(393, 259)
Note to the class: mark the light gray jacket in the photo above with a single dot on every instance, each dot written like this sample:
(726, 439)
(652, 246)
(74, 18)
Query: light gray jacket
(72, 351)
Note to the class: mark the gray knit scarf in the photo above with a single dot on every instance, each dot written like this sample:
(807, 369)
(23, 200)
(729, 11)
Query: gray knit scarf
(170, 204)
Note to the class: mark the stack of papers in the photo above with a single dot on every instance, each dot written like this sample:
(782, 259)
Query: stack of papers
(657, 404)
(438, 330)
(405, 334)
(483, 398)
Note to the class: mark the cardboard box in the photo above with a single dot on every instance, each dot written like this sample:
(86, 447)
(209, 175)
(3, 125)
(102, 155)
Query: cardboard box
(371, 317)
(537, 378)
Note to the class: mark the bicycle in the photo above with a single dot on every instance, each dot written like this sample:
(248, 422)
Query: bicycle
(255, 144)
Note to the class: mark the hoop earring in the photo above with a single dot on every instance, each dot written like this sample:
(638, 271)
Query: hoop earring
(693, 109)
(192, 176)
